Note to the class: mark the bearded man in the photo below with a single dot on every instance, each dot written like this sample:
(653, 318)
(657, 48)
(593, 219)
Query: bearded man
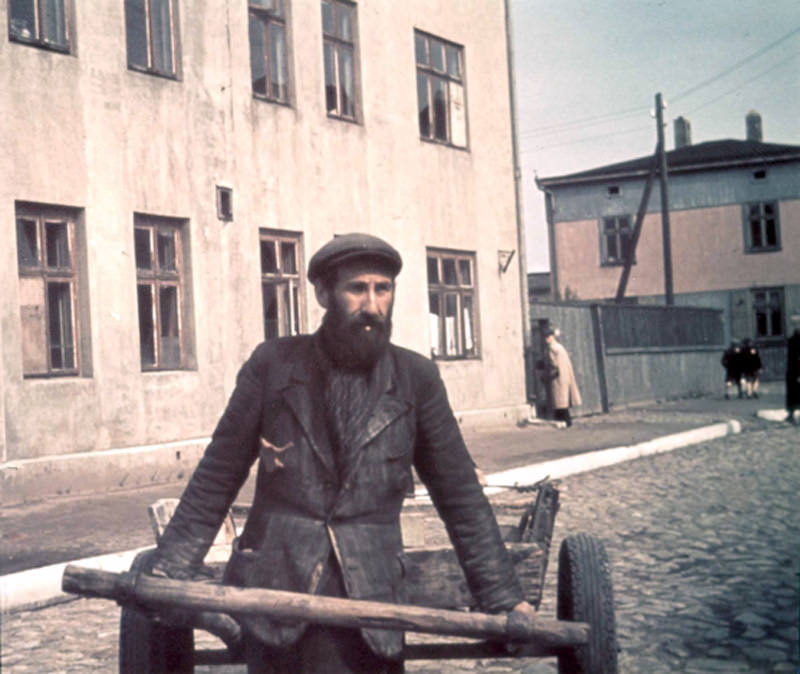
(337, 419)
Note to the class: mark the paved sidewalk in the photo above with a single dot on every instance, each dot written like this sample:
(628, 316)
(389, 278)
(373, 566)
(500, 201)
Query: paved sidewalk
(72, 528)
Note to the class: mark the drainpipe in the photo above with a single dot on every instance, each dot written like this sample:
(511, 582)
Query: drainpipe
(521, 245)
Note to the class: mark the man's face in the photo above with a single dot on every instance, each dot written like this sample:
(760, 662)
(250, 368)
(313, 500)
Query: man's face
(359, 311)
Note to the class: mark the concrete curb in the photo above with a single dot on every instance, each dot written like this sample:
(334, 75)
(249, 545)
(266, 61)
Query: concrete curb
(581, 463)
(37, 588)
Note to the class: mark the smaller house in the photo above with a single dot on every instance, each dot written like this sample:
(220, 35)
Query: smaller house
(734, 210)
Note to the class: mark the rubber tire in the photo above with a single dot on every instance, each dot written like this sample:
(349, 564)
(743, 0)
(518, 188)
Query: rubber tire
(146, 647)
(585, 594)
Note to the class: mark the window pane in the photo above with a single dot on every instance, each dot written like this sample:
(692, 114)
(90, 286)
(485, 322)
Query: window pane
(166, 250)
(771, 233)
(59, 319)
(330, 77)
(295, 311)
(146, 323)
(437, 55)
(136, 32)
(269, 298)
(458, 115)
(141, 240)
(277, 46)
(57, 244)
(776, 322)
(449, 271)
(170, 330)
(22, 19)
(269, 260)
(420, 49)
(344, 24)
(612, 250)
(34, 324)
(465, 271)
(162, 35)
(769, 209)
(433, 270)
(27, 250)
(423, 102)
(453, 67)
(285, 319)
(451, 324)
(609, 225)
(434, 323)
(273, 6)
(54, 22)
(761, 324)
(439, 108)
(258, 66)
(288, 258)
(755, 234)
(328, 22)
(346, 82)
(469, 325)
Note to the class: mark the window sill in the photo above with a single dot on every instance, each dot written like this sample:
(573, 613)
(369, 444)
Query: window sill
(444, 143)
(40, 44)
(608, 263)
(154, 73)
(454, 359)
(274, 101)
(763, 249)
(342, 118)
(74, 374)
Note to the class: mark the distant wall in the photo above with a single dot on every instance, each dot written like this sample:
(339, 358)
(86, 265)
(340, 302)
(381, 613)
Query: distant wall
(686, 362)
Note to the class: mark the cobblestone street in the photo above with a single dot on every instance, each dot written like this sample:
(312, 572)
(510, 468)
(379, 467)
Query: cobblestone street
(705, 549)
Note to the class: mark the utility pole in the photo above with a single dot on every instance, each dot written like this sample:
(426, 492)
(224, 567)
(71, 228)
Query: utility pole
(665, 233)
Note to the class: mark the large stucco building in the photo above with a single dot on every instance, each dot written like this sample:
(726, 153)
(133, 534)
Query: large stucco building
(170, 166)
(734, 212)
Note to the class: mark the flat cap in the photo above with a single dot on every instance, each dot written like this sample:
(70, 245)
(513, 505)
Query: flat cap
(348, 247)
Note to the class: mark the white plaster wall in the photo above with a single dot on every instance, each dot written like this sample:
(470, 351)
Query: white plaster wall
(83, 131)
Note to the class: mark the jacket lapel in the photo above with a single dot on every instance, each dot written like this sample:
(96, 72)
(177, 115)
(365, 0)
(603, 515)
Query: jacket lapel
(389, 406)
(307, 406)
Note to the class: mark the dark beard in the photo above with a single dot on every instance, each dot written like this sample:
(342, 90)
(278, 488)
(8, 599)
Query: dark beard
(348, 344)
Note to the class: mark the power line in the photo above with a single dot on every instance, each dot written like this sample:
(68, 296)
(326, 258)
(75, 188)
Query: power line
(588, 138)
(739, 86)
(594, 120)
(736, 65)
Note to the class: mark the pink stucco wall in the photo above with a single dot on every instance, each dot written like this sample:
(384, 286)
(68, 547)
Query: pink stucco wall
(707, 254)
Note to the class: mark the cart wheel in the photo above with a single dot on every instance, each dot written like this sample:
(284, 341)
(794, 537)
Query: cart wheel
(585, 594)
(145, 646)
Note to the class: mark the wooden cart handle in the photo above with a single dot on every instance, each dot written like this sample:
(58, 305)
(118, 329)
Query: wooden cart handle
(153, 592)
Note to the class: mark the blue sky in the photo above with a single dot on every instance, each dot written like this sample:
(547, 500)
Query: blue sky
(587, 73)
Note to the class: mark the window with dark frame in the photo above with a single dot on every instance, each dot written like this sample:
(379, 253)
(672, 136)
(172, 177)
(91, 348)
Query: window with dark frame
(441, 101)
(762, 227)
(268, 60)
(339, 57)
(768, 312)
(41, 23)
(452, 309)
(159, 291)
(48, 288)
(224, 203)
(281, 296)
(151, 29)
(615, 239)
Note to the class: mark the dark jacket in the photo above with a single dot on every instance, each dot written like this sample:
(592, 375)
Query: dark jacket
(793, 372)
(303, 510)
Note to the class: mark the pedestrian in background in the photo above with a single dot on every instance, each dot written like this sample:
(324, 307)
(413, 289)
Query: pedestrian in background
(793, 376)
(732, 362)
(564, 392)
(751, 367)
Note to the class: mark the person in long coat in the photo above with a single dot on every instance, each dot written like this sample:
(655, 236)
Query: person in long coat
(793, 376)
(564, 392)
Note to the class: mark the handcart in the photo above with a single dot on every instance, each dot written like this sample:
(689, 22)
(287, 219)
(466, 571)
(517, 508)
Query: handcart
(159, 616)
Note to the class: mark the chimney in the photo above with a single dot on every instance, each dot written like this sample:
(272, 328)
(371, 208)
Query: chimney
(753, 123)
(683, 133)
